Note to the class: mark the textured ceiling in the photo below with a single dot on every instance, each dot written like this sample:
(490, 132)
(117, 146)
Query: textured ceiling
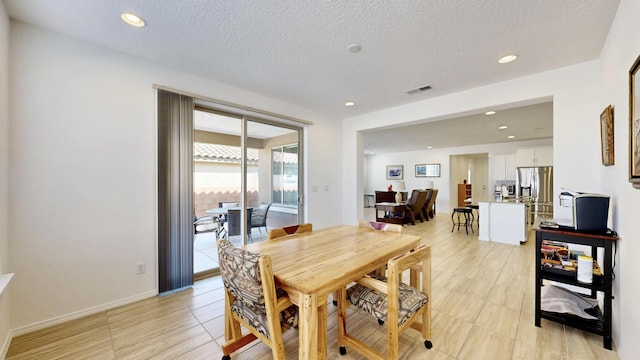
(296, 51)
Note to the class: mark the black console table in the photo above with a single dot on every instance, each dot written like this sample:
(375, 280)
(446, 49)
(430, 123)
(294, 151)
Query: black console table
(601, 326)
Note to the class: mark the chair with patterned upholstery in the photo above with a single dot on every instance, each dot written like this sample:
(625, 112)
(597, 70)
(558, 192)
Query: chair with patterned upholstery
(289, 230)
(392, 302)
(253, 301)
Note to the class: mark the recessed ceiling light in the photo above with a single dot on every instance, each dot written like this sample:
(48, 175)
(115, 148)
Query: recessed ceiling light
(511, 137)
(490, 112)
(131, 19)
(354, 48)
(349, 104)
(502, 127)
(507, 59)
(429, 147)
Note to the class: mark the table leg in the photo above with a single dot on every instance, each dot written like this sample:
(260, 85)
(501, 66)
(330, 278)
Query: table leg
(308, 328)
(322, 330)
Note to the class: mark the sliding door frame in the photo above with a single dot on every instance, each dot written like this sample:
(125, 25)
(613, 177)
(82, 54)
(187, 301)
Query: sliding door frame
(245, 119)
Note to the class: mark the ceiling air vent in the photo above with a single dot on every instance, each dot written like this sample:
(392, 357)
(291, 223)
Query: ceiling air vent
(420, 89)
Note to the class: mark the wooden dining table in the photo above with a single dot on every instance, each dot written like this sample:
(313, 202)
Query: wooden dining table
(310, 266)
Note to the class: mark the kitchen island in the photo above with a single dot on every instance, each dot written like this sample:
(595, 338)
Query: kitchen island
(503, 221)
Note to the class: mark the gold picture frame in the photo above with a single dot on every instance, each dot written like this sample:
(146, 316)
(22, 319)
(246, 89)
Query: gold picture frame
(606, 134)
(634, 125)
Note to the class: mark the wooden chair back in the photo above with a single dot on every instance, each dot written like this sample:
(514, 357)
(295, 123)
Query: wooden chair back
(397, 320)
(289, 230)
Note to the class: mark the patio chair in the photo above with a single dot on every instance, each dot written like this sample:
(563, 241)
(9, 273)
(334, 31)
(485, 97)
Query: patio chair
(205, 224)
(234, 223)
(259, 217)
(253, 301)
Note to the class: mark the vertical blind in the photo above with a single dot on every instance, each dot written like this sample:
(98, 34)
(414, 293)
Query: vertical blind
(175, 191)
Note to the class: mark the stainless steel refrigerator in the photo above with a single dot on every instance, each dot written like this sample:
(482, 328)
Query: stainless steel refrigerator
(534, 185)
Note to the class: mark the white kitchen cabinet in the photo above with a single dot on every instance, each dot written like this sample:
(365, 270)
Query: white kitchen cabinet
(504, 222)
(504, 167)
(538, 156)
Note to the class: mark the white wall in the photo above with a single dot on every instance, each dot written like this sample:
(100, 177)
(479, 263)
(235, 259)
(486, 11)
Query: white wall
(618, 54)
(4, 176)
(576, 93)
(83, 173)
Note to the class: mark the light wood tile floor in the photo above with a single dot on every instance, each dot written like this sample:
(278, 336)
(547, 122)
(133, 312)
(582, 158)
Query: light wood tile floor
(482, 297)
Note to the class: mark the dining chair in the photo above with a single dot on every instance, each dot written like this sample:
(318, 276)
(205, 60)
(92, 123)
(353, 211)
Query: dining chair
(391, 301)
(289, 230)
(253, 301)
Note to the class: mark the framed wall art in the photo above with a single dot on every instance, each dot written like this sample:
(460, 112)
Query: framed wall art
(432, 170)
(395, 172)
(421, 170)
(606, 135)
(634, 125)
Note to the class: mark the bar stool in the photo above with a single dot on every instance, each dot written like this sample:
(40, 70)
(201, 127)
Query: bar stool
(468, 218)
(477, 209)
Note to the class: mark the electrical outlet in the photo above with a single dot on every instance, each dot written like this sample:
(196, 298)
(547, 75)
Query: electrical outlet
(141, 268)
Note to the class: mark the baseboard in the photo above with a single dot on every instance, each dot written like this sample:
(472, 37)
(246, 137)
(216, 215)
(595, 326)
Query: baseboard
(5, 345)
(76, 315)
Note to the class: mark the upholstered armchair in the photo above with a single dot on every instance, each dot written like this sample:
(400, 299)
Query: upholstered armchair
(413, 207)
(425, 208)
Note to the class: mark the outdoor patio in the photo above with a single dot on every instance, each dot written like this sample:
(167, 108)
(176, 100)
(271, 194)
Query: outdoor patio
(205, 255)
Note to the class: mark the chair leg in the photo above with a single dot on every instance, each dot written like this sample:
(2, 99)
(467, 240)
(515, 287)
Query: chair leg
(342, 319)
(452, 221)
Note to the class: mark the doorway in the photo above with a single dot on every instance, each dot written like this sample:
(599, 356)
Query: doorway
(472, 169)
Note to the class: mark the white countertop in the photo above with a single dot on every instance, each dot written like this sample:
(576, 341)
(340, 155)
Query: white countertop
(515, 202)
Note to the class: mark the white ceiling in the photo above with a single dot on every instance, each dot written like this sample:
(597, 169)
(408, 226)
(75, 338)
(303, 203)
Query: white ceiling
(296, 51)
(529, 122)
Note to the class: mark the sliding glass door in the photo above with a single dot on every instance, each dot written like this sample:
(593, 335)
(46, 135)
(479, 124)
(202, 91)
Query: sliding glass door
(239, 162)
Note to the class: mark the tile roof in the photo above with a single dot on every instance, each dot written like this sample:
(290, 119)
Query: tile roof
(222, 153)
(232, 154)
